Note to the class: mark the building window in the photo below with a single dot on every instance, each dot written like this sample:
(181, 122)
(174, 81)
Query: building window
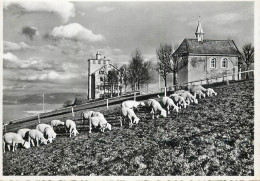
(99, 61)
(213, 63)
(94, 61)
(224, 63)
(101, 79)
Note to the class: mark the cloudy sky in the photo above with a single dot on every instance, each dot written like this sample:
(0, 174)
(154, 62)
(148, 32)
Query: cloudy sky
(46, 44)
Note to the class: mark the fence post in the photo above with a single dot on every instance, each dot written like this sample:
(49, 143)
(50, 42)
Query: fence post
(165, 92)
(227, 81)
(72, 111)
(134, 95)
(39, 120)
(107, 103)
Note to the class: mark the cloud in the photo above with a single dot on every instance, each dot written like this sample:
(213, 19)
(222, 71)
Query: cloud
(224, 18)
(48, 76)
(29, 32)
(74, 31)
(13, 62)
(11, 46)
(64, 9)
(105, 9)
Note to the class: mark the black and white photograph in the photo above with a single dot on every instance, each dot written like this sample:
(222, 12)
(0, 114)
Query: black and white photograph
(129, 88)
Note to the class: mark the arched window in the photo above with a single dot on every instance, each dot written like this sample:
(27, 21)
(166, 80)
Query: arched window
(213, 63)
(224, 63)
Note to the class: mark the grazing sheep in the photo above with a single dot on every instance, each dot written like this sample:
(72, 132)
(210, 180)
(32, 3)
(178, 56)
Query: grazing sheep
(178, 100)
(41, 127)
(197, 89)
(99, 121)
(24, 133)
(14, 139)
(36, 135)
(211, 92)
(50, 134)
(97, 114)
(168, 102)
(127, 112)
(86, 115)
(56, 123)
(132, 104)
(71, 125)
(155, 105)
(189, 97)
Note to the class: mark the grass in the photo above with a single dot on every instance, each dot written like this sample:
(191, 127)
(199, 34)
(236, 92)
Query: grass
(213, 138)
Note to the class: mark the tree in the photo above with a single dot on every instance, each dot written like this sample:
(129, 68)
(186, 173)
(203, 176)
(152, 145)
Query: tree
(135, 69)
(164, 55)
(123, 75)
(248, 56)
(112, 78)
(169, 62)
(146, 75)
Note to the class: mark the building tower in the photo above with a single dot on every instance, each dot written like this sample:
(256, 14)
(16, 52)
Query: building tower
(199, 32)
(93, 74)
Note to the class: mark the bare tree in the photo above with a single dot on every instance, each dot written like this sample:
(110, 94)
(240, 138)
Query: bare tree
(146, 75)
(135, 69)
(164, 55)
(112, 78)
(248, 56)
(123, 75)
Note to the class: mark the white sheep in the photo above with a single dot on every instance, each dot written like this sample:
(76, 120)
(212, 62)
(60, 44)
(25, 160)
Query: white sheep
(55, 123)
(50, 134)
(188, 97)
(178, 100)
(132, 104)
(36, 135)
(179, 91)
(71, 125)
(168, 102)
(24, 133)
(211, 92)
(197, 89)
(155, 105)
(14, 139)
(41, 127)
(86, 115)
(99, 121)
(97, 114)
(127, 112)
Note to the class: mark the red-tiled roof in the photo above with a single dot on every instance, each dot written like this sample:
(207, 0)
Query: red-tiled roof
(208, 47)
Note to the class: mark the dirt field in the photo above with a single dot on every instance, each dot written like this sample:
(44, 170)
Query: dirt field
(214, 137)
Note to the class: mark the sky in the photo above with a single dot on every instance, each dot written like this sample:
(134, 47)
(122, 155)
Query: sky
(47, 44)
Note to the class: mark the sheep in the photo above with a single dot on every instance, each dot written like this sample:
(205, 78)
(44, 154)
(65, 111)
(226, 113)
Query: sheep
(197, 89)
(97, 114)
(41, 127)
(24, 133)
(37, 135)
(99, 121)
(168, 102)
(86, 115)
(127, 112)
(56, 123)
(179, 91)
(188, 97)
(211, 92)
(155, 105)
(178, 100)
(132, 104)
(50, 134)
(14, 139)
(71, 125)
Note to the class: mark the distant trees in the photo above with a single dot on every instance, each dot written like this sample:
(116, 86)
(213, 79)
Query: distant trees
(138, 71)
(169, 62)
(248, 56)
(123, 75)
(113, 79)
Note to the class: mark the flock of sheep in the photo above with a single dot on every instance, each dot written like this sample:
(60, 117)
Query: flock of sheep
(44, 133)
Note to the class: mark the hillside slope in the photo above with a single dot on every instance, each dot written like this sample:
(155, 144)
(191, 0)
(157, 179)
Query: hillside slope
(214, 137)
